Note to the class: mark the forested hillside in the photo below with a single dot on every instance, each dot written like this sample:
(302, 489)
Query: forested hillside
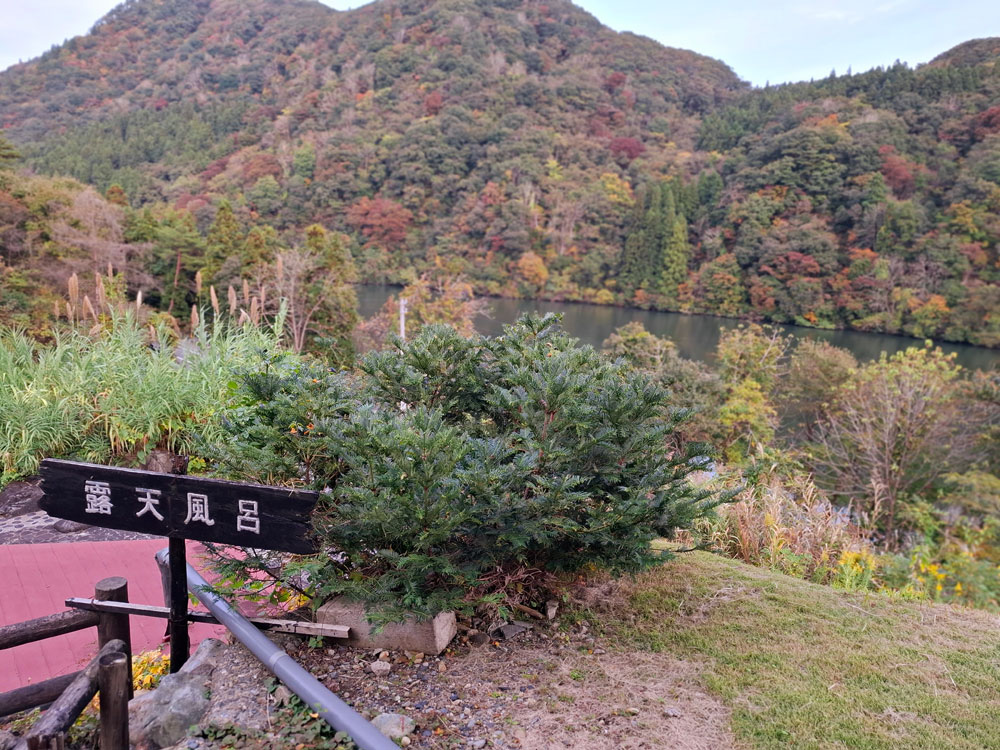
(533, 151)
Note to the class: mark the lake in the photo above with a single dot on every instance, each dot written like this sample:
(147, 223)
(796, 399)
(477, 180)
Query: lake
(696, 336)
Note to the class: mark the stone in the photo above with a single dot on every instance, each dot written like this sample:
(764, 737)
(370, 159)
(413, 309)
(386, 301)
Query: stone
(551, 609)
(162, 717)
(394, 726)
(68, 527)
(426, 636)
(671, 713)
(7, 740)
(19, 498)
(511, 630)
(166, 462)
(380, 668)
(476, 744)
(281, 695)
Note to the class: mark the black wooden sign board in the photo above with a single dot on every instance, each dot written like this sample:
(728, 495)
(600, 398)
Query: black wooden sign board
(179, 507)
(206, 510)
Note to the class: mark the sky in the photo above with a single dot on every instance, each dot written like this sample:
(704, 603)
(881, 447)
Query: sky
(763, 42)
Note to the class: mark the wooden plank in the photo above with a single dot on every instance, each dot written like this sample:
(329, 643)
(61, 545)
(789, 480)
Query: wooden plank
(298, 627)
(45, 627)
(180, 506)
(32, 696)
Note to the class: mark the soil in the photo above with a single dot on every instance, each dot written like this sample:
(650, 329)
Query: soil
(544, 689)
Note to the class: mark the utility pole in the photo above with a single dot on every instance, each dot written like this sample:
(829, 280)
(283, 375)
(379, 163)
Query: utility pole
(402, 318)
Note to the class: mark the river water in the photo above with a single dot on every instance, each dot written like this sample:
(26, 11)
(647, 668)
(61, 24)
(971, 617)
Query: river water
(696, 336)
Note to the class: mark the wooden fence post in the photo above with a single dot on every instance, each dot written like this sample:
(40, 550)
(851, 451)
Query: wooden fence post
(115, 686)
(114, 626)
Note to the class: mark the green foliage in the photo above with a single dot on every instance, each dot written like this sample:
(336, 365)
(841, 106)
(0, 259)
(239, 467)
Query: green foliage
(113, 397)
(893, 429)
(8, 154)
(514, 458)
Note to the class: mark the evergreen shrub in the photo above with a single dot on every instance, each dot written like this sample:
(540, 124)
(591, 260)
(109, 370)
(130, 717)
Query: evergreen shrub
(462, 472)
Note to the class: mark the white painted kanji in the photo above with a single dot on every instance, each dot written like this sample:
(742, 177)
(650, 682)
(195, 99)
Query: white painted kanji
(249, 518)
(98, 497)
(198, 509)
(150, 499)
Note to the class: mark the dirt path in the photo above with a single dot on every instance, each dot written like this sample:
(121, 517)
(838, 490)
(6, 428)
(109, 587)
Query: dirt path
(544, 690)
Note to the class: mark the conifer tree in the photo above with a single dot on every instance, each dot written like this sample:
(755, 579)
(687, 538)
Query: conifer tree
(676, 254)
(8, 154)
(224, 239)
(259, 245)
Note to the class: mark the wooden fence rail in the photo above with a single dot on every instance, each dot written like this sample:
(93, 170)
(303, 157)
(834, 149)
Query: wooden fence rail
(110, 673)
(50, 730)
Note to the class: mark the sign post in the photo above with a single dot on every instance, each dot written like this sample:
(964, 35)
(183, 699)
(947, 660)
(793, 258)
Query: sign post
(179, 507)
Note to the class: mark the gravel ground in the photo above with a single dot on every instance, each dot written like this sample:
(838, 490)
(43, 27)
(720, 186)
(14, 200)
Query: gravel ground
(546, 689)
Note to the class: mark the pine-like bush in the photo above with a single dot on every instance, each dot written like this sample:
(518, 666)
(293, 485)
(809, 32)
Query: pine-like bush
(463, 471)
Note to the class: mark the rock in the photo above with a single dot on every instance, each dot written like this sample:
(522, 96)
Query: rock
(166, 462)
(478, 638)
(632, 711)
(281, 695)
(68, 527)
(671, 713)
(442, 667)
(394, 725)
(161, 718)
(239, 694)
(18, 498)
(7, 740)
(512, 630)
(551, 609)
(380, 668)
(426, 636)
(205, 657)
(520, 735)
(476, 744)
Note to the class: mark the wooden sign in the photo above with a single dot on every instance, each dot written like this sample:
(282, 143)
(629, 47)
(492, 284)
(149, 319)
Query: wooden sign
(179, 506)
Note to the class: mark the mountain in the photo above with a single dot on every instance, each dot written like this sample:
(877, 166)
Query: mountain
(534, 151)
(974, 52)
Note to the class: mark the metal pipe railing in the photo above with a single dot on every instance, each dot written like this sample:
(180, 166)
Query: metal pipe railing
(337, 714)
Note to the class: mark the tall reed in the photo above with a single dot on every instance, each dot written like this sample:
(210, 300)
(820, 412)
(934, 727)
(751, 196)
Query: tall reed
(114, 395)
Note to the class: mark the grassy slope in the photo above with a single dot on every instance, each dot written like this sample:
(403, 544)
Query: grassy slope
(807, 666)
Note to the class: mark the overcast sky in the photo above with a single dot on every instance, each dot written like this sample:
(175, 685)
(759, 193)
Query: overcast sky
(775, 41)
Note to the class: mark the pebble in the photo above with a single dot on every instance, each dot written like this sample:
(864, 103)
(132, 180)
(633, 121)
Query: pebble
(394, 725)
(380, 668)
